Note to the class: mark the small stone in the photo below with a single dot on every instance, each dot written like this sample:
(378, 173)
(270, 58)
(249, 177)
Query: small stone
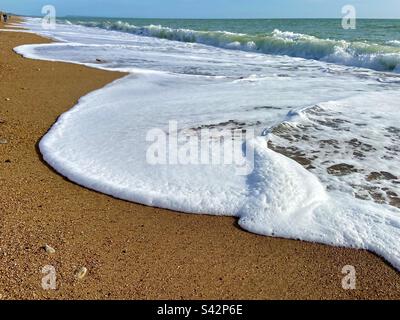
(7, 99)
(38, 69)
(383, 175)
(49, 249)
(81, 273)
(341, 169)
(3, 141)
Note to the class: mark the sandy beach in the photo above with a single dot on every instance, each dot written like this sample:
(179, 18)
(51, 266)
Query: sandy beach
(133, 251)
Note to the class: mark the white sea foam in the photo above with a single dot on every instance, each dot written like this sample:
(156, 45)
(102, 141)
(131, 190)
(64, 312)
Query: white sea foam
(101, 142)
(395, 43)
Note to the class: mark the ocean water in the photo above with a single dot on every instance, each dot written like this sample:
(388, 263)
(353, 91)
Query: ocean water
(322, 103)
(374, 43)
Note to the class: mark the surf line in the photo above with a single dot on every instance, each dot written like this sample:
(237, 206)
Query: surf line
(168, 310)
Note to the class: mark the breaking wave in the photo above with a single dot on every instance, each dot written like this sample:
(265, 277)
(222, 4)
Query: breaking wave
(358, 54)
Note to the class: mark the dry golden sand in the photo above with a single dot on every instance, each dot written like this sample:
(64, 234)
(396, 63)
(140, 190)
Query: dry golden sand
(133, 251)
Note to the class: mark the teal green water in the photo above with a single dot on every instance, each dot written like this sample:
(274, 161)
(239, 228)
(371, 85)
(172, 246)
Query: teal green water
(377, 31)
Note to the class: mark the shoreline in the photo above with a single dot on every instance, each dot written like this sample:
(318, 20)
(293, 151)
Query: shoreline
(132, 251)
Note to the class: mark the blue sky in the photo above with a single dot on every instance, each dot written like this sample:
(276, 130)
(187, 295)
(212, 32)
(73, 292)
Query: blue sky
(208, 8)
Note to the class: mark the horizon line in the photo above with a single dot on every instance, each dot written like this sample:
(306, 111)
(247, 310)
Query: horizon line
(174, 18)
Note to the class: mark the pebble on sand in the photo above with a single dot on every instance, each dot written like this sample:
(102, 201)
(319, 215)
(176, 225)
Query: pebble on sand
(81, 273)
(3, 141)
(7, 99)
(49, 249)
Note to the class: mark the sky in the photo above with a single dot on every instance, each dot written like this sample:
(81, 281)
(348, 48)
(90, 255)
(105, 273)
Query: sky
(207, 8)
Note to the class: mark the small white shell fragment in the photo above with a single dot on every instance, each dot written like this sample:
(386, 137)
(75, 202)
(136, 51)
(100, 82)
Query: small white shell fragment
(81, 273)
(49, 249)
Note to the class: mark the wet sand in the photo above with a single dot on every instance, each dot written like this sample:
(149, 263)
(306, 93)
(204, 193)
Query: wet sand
(133, 251)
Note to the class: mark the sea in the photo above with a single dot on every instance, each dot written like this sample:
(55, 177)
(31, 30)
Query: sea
(313, 107)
